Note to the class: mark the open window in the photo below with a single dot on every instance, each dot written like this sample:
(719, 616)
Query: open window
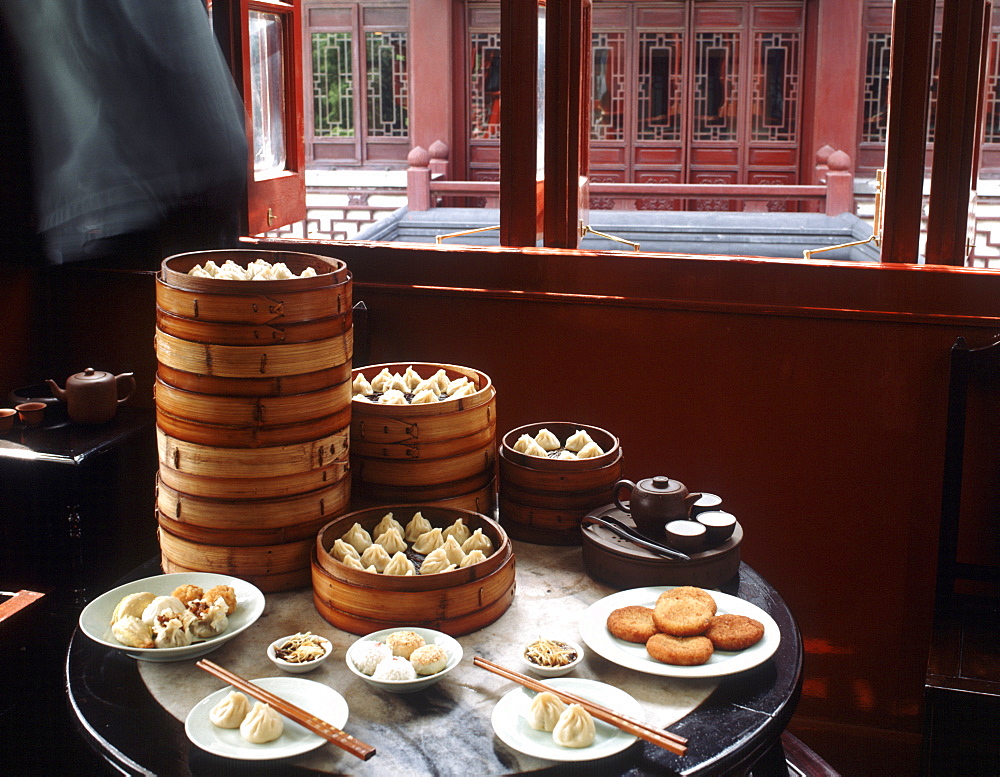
(262, 40)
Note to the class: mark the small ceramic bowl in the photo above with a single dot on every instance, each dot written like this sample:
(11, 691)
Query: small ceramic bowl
(298, 667)
(704, 503)
(685, 535)
(551, 671)
(719, 526)
(31, 413)
(450, 645)
(7, 419)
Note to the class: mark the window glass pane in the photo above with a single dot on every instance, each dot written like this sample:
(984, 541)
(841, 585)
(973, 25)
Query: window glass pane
(267, 93)
(333, 88)
(484, 84)
(876, 92)
(776, 86)
(388, 88)
(609, 86)
(716, 85)
(659, 85)
(991, 108)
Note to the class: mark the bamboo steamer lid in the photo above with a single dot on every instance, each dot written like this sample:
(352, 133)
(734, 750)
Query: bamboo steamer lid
(455, 602)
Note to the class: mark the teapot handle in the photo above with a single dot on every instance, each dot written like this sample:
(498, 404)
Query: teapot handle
(623, 484)
(129, 381)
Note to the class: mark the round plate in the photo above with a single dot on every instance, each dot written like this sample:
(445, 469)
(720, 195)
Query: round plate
(511, 725)
(594, 630)
(95, 620)
(450, 645)
(316, 698)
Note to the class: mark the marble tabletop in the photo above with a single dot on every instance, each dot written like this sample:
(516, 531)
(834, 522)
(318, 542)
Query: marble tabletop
(446, 729)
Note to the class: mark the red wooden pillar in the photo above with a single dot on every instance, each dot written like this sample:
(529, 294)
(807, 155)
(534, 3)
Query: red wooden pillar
(430, 56)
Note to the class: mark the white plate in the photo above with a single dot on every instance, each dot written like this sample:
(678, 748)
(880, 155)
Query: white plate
(594, 630)
(511, 725)
(321, 700)
(95, 620)
(450, 645)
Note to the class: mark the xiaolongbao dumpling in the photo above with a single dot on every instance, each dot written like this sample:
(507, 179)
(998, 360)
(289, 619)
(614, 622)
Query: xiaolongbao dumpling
(131, 631)
(229, 712)
(400, 565)
(575, 728)
(161, 605)
(430, 384)
(341, 550)
(458, 530)
(309, 272)
(375, 556)
(357, 538)
(453, 550)
(478, 541)
(436, 561)
(170, 632)
(392, 397)
(534, 449)
(589, 451)
(428, 541)
(564, 455)
(544, 711)
(353, 563)
(211, 267)
(361, 385)
(472, 557)
(387, 522)
(441, 378)
(210, 618)
(463, 391)
(262, 724)
(455, 385)
(547, 440)
(424, 397)
(281, 271)
(381, 381)
(521, 446)
(412, 378)
(416, 526)
(391, 540)
(577, 440)
(398, 383)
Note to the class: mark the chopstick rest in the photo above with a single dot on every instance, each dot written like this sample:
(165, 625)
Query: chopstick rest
(668, 741)
(318, 726)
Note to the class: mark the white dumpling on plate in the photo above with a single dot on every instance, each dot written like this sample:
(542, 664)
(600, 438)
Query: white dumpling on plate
(544, 711)
(575, 728)
(262, 724)
(161, 605)
(229, 712)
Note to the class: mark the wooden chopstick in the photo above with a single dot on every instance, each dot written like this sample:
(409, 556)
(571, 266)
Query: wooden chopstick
(668, 741)
(318, 726)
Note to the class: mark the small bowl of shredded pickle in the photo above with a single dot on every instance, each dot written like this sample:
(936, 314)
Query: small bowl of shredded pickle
(551, 657)
(299, 653)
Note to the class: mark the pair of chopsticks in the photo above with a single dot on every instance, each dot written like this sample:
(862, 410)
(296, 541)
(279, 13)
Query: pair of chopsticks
(318, 726)
(672, 742)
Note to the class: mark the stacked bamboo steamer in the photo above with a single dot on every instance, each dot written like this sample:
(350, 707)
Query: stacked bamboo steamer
(437, 453)
(253, 407)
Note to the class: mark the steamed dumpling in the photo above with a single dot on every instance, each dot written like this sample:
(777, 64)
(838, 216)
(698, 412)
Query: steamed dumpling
(478, 541)
(361, 385)
(472, 557)
(357, 538)
(375, 556)
(547, 440)
(387, 522)
(170, 633)
(436, 561)
(442, 380)
(133, 604)
(134, 632)
(381, 381)
(521, 446)
(423, 397)
(342, 550)
(544, 711)
(534, 449)
(430, 384)
(589, 451)
(392, 541)
(412, 378)
(398, 383)
(210, 619)
(229, 712)
(400, 565)
(458, 530)
(453, 550)
(262, 724)
(463, 391)
(353, 563)
(416, 526)
(577, 440)
(428, 541)
(563, 455)
(392, 397)
(575, 728)
(161, 605)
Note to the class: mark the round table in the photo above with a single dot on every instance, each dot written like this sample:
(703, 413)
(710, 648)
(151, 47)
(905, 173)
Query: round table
(737, 727)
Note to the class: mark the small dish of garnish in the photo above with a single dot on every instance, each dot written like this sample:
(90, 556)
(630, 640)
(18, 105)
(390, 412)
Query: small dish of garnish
(299, 653)
(551, 657)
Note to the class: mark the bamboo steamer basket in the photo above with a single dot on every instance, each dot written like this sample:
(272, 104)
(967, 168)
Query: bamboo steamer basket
(329, 272)
(433, 453)
(455, 602)
(274, 386)
(543, 500)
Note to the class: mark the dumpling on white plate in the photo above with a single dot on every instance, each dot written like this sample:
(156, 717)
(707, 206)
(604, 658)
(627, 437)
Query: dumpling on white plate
(575, 728)
(170, 632)
(133, 604)
(131, 631)
(210, 618)
(544, 711)
(161, 605)
(262, 724)
(229, 712)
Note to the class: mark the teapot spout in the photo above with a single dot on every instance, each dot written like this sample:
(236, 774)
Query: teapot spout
(57, 392)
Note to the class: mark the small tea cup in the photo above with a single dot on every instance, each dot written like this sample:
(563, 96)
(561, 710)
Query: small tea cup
(704, 503)
(685, 535)
(7, 419)
(31, 413)
(719, 526)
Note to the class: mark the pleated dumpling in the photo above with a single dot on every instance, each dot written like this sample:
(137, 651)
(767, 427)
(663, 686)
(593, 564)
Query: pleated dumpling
(442, 380)
(262, 724)
(361, 385)
(399, 383)
(458, 530)
(472, 557)
(423, 397)
(400, 565)
(453, 550)
(229, 712)
(412, 378)
(532, 448)
(464, 390)
(430, 384)
(342, 550)
(455, 385)
(375, 556)
(381, 381)
(436, 561)
(544, 711)
(387, 522)
(589, 451)
(133, 604)
(170, 633)
(478, 541)
(353, 563)
(562, 455)
(132, 631)
(428, 541)
(521, 446)
(547, 440)
(577, 440)
(575, 728)
(358, 538)
(210, 618)
(392, 541)
(392, 397)
(416, 526)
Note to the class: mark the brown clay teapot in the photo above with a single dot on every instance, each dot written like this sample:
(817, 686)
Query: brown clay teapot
(92, 396)
(654, 502)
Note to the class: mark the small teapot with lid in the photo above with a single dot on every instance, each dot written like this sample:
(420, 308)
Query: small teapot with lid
(92, 396)
(654, 502)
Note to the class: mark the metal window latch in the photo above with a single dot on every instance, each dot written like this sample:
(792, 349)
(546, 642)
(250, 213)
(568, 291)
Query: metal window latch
(876, 222)
(440, 238)
(586, 229)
